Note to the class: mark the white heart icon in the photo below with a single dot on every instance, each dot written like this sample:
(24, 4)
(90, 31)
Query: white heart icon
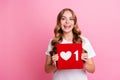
(65, 55)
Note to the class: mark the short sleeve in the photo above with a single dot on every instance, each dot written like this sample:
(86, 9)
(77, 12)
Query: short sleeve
(88, 47)
(48, 48)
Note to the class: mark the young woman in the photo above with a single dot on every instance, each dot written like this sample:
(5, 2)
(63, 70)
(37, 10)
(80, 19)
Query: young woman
(67, 31)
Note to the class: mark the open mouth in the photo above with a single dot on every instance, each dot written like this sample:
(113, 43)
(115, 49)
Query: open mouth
(67, 26)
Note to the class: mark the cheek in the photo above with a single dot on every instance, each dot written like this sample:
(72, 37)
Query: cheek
(62, 22)
(62, 26)
(72, 22)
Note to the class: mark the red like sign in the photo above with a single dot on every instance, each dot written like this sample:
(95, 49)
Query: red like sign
(69, 56)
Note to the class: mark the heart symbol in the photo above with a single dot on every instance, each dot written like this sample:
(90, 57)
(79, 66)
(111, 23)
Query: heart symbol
(65, 55)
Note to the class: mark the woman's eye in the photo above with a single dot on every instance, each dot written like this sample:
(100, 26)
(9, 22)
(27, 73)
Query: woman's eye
(62, 18)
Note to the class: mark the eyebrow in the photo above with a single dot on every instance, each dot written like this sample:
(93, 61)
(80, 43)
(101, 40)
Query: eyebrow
(65, 16)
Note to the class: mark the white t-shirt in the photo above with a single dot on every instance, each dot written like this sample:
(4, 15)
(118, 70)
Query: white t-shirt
(73, 74)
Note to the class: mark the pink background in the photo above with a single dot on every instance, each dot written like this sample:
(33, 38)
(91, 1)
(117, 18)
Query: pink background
(27, 25)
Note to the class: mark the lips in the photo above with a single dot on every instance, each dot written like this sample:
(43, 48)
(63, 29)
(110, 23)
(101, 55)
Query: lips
(67, 26)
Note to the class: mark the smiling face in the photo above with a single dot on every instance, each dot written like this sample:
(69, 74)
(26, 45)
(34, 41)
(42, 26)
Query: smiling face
(67, 22)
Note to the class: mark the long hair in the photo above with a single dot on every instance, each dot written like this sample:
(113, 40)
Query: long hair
(58, 33)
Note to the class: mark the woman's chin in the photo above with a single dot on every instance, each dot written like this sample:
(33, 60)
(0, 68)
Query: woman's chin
(67, 30)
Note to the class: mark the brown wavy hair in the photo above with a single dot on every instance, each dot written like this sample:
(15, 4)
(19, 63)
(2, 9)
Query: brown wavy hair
(58, 33)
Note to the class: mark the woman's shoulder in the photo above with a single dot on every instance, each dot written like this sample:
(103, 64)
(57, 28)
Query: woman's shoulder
(84, 39)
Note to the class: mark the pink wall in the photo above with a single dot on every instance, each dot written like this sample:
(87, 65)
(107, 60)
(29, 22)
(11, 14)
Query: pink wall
(26, 27)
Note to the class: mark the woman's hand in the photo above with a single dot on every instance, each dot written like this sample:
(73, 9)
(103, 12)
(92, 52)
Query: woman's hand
(55, 58)
(89, 63)
(50, 64)
(84, 57)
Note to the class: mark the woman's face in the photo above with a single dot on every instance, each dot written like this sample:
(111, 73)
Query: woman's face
(67, 22)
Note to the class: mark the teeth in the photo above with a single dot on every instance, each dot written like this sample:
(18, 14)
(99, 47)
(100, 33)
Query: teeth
(67, 26)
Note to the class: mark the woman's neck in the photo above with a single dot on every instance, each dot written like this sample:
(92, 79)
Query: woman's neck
(68, 36)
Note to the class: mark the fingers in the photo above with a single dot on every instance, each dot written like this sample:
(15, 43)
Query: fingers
(84, 56)
(55, 58)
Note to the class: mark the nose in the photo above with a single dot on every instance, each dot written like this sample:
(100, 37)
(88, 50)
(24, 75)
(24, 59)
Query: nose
(67, 20)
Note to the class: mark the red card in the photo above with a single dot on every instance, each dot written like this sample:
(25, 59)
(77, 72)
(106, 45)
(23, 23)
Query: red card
(69, 56)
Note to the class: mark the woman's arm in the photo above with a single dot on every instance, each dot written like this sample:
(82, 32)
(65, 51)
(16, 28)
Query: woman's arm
(89, 63)
(50, 65)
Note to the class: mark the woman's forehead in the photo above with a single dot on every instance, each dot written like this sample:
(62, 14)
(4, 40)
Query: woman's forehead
(67, 13)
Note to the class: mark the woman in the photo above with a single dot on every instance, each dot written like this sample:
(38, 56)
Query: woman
(67, 31)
